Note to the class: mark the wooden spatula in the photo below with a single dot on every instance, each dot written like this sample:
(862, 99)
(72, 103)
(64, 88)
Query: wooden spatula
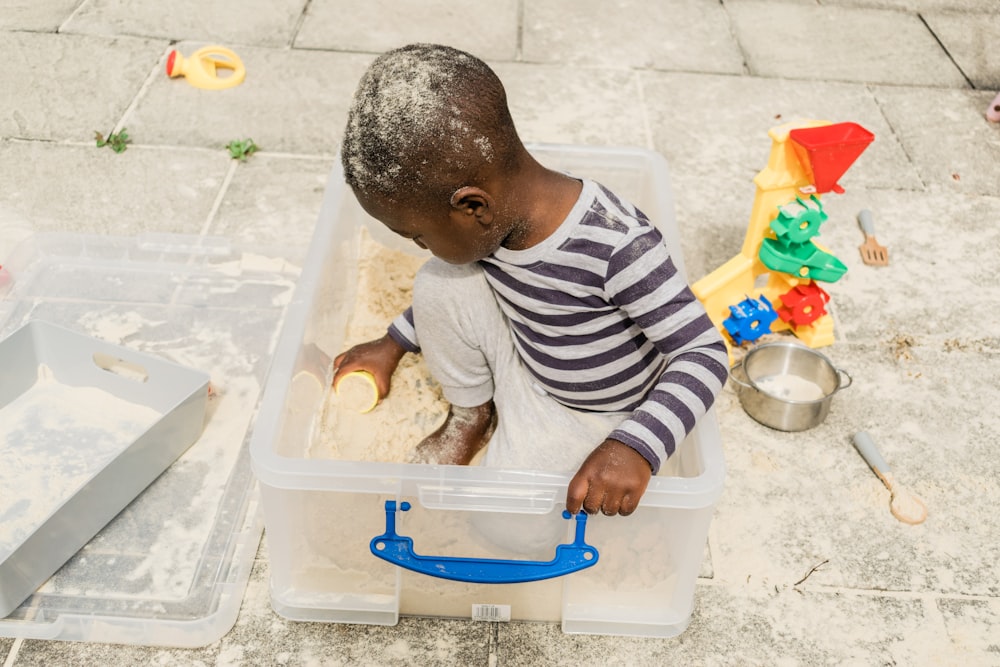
(871, 252)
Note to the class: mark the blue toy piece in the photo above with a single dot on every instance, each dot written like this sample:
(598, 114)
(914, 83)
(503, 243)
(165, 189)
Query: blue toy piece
(750, 319)
(398, 549)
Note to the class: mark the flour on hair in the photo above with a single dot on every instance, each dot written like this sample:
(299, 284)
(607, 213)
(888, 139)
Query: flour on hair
(412, 117)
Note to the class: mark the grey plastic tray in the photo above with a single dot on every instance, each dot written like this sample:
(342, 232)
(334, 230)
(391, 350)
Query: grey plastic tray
(85, 426)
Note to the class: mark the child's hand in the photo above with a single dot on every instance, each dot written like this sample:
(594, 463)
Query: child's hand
(611, 480)
(378, 357)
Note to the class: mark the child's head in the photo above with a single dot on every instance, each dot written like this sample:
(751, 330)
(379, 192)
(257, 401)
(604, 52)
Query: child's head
(428, 125)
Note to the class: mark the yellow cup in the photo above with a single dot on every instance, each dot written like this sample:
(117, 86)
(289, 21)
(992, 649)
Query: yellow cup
(357, 391)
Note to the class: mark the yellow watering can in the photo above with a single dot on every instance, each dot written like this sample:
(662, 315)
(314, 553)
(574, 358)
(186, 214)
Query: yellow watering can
(202, 69)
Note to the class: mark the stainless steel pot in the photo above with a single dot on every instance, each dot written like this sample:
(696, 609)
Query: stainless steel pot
(787, 386)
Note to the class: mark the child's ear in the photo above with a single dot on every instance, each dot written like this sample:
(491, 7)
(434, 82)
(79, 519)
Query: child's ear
(470, 201)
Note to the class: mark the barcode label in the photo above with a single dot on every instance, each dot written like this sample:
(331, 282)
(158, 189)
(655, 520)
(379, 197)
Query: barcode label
(491, 612)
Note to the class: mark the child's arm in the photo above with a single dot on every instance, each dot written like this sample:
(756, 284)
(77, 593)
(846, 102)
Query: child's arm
(380, 357)
(644, 283)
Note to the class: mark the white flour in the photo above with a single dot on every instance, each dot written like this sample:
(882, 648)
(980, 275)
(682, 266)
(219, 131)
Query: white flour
(117, 327)
(790, 387)
(53, 438)
(356, 392)
(414, 406)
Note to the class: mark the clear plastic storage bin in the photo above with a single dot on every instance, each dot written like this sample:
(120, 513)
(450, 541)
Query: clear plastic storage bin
(322, 515)
(172, 567)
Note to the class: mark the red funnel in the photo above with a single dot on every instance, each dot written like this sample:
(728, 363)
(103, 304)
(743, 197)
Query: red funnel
(827, 152)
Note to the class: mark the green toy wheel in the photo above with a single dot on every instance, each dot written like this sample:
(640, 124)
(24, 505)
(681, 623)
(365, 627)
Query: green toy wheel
(802, 225)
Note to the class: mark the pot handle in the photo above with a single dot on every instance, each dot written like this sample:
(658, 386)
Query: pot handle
(739, 365)
(850, 380)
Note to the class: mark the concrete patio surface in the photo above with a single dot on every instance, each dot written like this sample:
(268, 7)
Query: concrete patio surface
(805, 565)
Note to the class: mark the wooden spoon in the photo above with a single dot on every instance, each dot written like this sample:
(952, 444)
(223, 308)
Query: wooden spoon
(904, 505)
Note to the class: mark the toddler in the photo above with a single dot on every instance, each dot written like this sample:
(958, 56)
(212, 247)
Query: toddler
(551, 314)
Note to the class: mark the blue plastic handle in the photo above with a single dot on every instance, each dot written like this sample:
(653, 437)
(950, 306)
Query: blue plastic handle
(398, 549)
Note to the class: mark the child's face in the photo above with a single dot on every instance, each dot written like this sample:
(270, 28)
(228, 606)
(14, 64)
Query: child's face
(449, 233)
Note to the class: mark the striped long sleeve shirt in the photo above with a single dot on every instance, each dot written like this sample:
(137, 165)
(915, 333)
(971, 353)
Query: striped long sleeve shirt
(604, 321)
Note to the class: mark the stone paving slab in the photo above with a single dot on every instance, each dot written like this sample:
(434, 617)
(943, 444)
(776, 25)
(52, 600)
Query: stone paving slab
(546, 103)
(66, 87)
(930, 285)
(713, 129)
(37, 653)
(87, 189)
(228, 22)
(361, 25)
(973, 629)
(916, 335)
(291, 101)
(273, 202)
(284, 105)
(260, 637)
(840, 44)
(671, 35)
(953, 147)
(757, 626)
(973, 41)
(35, 16)
(794, 500)
(968, 6)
